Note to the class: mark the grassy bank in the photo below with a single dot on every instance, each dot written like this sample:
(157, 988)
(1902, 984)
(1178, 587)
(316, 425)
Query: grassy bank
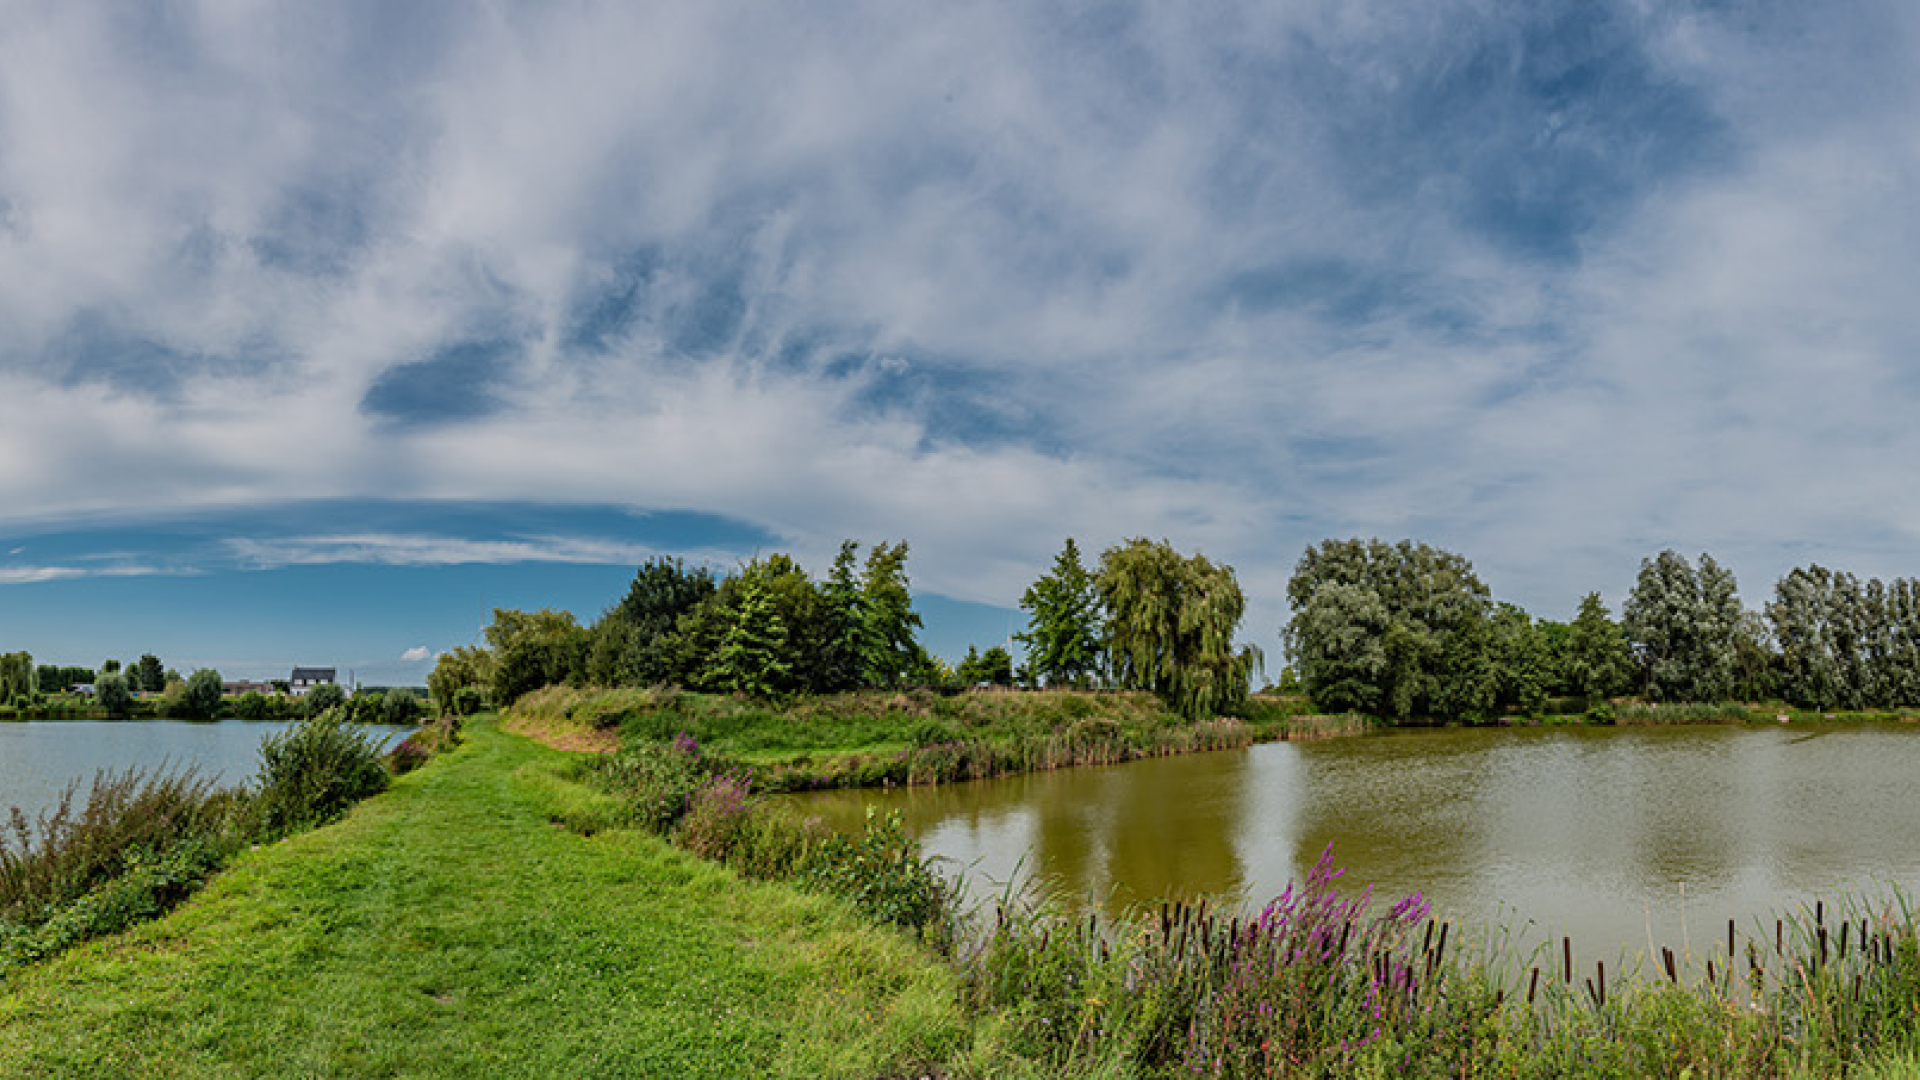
(872, 738)
(448, 928)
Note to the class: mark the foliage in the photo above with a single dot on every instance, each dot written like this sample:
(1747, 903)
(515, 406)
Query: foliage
(463, 667)
(1400, 630)
(890, 652)
(400, 707)
(1684, 627)
(113, 693)
(629, 645)
(16, 675)
(757, 653)
(1521, 660)
(532, 649)
(1597, 663)
(323, 698)
(1170, 623)
(993, 667)
(53, 679)
(1843, 643)
(313, 771)
(69, 852)
(148, 675)
(201, 694)
(882, 872)
(1063, 627)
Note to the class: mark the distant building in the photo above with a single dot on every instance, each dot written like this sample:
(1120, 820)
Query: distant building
(306, 678)
(242, 686)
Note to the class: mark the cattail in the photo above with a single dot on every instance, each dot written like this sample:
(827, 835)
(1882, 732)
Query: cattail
(1821, 933)
(1533, 984)
(1819, 912)
(1602, 964)
(1712, 979)
(1779, 943)
(1729, 942)
(1566, 954)
(1666, 954)
(1844, 927)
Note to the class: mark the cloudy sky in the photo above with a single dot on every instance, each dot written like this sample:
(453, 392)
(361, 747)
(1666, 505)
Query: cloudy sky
(327, 328)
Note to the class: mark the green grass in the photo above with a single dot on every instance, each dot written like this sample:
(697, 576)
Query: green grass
(451, 928)
(873, 738)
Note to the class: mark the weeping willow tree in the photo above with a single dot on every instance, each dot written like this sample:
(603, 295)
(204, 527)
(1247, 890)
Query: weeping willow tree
(1170, 624)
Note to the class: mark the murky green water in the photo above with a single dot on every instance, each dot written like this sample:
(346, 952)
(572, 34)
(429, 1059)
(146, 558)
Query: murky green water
(1614, 836)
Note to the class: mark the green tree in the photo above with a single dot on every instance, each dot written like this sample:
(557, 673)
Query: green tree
(400, 707)
(843, 663)
(462, 667)
(149, 675)
(888, 620)
(322, 698)
(752, 657)
(629, 646)
(1170, 623)
(114, 694)
(1598, 663)
(993, 667)
(1400, 630)
(109, 665)
(1521, 660)
(1684, 627)
(201, 693)
(16, 677)
(532, 649)
(1063, 627)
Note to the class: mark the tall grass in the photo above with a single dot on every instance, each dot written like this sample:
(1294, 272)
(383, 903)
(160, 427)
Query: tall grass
(142, 841)
(710, 807)
(1317, 984)
(145, 840)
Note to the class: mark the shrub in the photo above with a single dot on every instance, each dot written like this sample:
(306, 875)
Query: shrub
(883, 874)
(716, 816)
(128, 816)
(322, 698)
(660, 778)
(468, 700)
(313, 771)
(401, 707)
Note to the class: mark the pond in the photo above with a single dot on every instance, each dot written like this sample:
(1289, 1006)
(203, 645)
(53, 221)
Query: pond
(1625, 839)
(39, 759)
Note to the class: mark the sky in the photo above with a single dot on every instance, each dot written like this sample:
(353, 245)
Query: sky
(326, 329)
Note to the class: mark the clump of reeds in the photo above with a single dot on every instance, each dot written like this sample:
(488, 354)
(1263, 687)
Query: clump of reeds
(142, 842)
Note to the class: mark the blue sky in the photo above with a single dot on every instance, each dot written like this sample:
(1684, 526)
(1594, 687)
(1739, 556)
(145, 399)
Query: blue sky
(326, 329)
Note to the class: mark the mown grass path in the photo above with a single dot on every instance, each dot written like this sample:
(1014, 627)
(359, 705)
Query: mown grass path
(448, 928)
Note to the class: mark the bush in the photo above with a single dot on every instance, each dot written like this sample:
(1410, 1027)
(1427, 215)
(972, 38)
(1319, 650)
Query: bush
(128, 815)
(660, 779)
(312, 772)
(322, 698)
(114, 694)
(401, 707)
(468, 700)
(884, 875)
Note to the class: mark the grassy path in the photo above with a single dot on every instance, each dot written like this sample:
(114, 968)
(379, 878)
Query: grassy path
(447, 928)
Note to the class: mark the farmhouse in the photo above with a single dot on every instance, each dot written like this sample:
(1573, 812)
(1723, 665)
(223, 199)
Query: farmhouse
(306, 678)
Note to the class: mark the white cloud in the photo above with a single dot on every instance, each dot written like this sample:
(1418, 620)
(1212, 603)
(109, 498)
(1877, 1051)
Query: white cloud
(977, 278)
(417, 654)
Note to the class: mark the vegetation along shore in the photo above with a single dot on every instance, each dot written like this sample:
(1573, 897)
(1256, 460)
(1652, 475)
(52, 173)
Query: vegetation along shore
(635, 897)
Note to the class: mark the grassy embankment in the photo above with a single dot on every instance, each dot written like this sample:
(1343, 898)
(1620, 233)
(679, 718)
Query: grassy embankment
(448, 928)
(874, 738)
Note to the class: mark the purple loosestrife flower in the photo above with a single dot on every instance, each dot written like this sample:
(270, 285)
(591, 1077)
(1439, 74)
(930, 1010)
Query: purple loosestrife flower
(686, 744)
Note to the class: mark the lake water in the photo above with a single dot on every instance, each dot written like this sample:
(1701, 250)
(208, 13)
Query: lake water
(39, 759)
(1619, 837)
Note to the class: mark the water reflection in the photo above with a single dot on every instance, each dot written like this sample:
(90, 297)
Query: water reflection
(1619, 837)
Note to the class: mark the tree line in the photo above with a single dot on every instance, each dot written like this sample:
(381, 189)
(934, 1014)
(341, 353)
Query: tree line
(1405, 630)
(1148, 618)
(1395, 630)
